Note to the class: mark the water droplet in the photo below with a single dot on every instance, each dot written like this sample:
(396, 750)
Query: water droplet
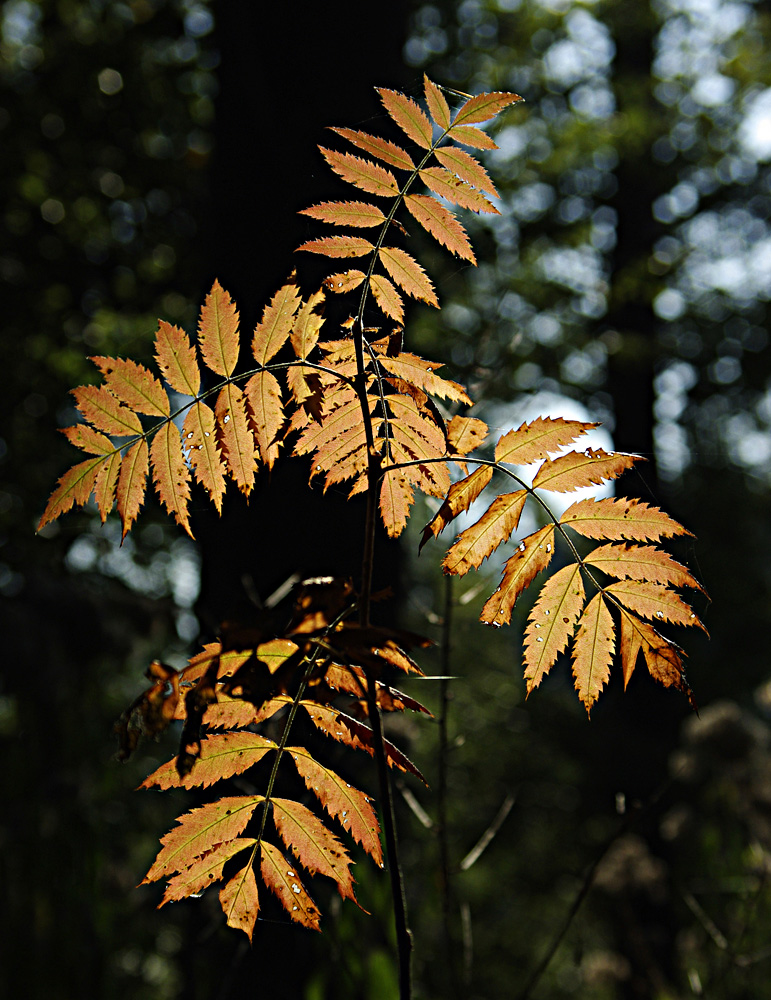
(693, 616)
(227, 417)
(318, 468)
(345, 813)
(200, 447)
(382, 865)
(295, 888)
(521, 546)
(347, 786)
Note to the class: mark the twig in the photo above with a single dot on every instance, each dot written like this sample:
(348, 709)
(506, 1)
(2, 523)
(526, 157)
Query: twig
(484, 841)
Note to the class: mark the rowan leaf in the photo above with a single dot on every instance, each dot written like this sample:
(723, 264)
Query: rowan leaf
(421, 373)
(345, 282)
(483, 107)
(410, 118)
(641, 562)
(534, 553)
(134, 385)
(437, 105)
(445, 183)
(307, 323)
(346, 804)
(130, 490)
(387, 298)
(653, 601)
(363, 174)
(620, 519)
(593, 651)
(662, 657)
(74, 487)
(264, 396)
(386, 151)
(466, 167)
(441, 224)
(494, 527)
(396, 498)
(105, 483)
(469, 135)
(240, 902)
(359, 214)
(533, 441)
(87, 439)
(105, 412)
(316, 848)
(464, 434)
(283, 881)
(274, 328)
(339, 246)
(200, 439)
(460, 497)
(171, 474)
(579, 469)
(235, 437)
(551, 622)
(204, 871)
(218, 337)
(408, 274)
(201, 830)
(177, 360)
(222, 756)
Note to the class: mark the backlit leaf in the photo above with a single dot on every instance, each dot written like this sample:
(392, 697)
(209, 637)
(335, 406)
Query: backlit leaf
(87, 439)
(441, 223)
(533, 554)
(460, 497)
(593, 651)
(240, 902)
(204, 871)
(466, 167)
(200, 439)
(421, 373)
(171, 474)
(483, 107)
(641, 562)
(396, 498)
(134, 385)
(551, 622)
(74, 487)
(315, 847)
(447, 185)
(105, 412)
(386, 151)
(283, 881)
(221, 757)
(662, 657)
(345, 282)
(479, 541)
(264, 395)
(346, 213)
(177, 359)
(235, 437)
(533, 441)
(307, 323)
(408, 116)
(579, 469)
(464, 434)
(339, 246)
(274, 328)
(437, 105)
(619, 519)
(408, 274)
(105, 483)
(653, 601)
(130, 491)
(469, 135)
(363, 174)
(387, 298)
(218, 337)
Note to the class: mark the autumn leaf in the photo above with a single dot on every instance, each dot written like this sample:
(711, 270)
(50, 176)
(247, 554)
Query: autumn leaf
(204, 871)
(264, 396)
(363, 174)
(387, 298)
(177, 359)
(551, 622)
(199, 433)
(437, 105)
(479, 541)
(134, 385)
(447, 185)
(105, 484)
(464, 434)
(641, 562)
(579, 469)
(408, 116)
(171, 474)
(460, 497)
(408, 274)
(441, 224)
(533, 441)
(396, 498)
(619, 519)
(469, 135)
(346, 213)
(653, 601)
(218, 332)
(222, 756)
(74, 487)
(593, 651)
(105, 411)
(272, 331)
(87, 439)
(483, 107)
(384, 150)
(339, 246)
(421, 373)
(235, 437)
(345, 282)
(662, 657)
(284, 882)
(240, 902)
(533, 554)
(316, 848)
(130, 489)
(466, 167)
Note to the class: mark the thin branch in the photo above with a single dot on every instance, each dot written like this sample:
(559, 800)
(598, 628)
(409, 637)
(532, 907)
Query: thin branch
(484, 841)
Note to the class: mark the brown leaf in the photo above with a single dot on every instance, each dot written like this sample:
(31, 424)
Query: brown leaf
(203, 872)
(421, 373)
(200, 439)
(218, 337)
(437, 105)
(469, 135)
(494, 527)
(653, 601)
(622, 518)
(408, 274)
(386, 151)
(396, 498)
(462, 494)
(464, 434)
(447, 185)
(339, 246)
(345, 282)
(240, 902)
(283, 881)
(105, 483)
(363, 174)
(663, 658)
(105, 412)
(641, 562)
(264, 396)
(134, 385)
(132, 480)
(87, 439)
(483, 107)
(533, 554)
(272, 331)
(316, 848)
(171, 474)
(387, 298)
(533, 441)
(551, 622)
(359, 214)
(235, 437)
(74, 487)
(466, 167)
(222, 756)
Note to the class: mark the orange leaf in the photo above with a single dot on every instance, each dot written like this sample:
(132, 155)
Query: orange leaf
(386, 151)
(271, 332)
(469, 135)
(199, 433)
(264, 395)
(339, 246)
(221, 757)
(420, 373)
(199, 831)
(579, 469)
(307, 323)
(359, 214)
(551, 622)
(408, 274)
(533, 554)
(408, 116)
(479, 541)
(663, 658)
(315, 847)
(177, 359)
(104, 486)
(235, 437)
(653, 601)
(619, 519)
(533, 441)
(483, 107)
(641, 562)
(464, 434)
(283, 881)
(134, 385)
(363, 174)
(437, 105)
(345, 282)
(74, 487)
(87, 439)
(387, 298)
(396, 498)
(240, 902)
(452, 188)
(205, 871)
(462, 494)
(348, 805)
(593, 651)
(218, 332)
(171, 474)
(441, 223)
(105, 412)
(130, 490)
(466, 167)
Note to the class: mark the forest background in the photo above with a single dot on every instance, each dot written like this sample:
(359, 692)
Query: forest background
(148, 147)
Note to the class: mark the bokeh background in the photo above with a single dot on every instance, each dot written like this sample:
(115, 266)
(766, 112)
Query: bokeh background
(148, 147)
